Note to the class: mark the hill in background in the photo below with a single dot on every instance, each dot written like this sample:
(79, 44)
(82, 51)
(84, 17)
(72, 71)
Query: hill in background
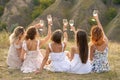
(20, 11)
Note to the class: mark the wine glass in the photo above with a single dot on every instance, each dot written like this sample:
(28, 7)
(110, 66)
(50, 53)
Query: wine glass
(41, 24)
(65, 22)
(49, 17)
(95, 12)
(71, 22)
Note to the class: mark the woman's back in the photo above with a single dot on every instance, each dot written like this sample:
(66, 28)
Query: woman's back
(100, 59)
(59, 61)
(76, 64)
(33, 57)
(32, 45)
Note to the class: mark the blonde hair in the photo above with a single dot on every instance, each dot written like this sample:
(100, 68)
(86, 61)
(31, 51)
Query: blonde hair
(16, 34)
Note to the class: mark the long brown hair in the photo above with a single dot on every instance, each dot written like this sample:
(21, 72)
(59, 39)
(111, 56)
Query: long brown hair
(31, 33)
(82, 45)
(57, 36)
(96, 35)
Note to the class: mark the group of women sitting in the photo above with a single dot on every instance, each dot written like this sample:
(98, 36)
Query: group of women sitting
(24, 53)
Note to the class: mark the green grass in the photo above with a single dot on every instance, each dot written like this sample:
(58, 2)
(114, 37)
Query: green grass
(8, 74)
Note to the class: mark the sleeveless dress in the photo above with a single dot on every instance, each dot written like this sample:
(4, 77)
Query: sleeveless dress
(33, 59)
(78, 67)
(100, 61)
(59, 61)
(13, 59)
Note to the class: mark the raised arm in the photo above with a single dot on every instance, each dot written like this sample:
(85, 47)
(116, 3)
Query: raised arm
(43, 41)
(73, 29)
(22, 54)
(65, 34)
(100, 25)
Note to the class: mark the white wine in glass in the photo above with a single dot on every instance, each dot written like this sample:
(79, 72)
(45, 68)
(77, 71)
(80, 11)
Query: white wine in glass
(71, 22)
(95, 12)
(65, 22)
(41, 24)
(49, 17)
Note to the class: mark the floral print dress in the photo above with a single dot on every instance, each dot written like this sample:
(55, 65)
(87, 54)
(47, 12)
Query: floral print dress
(100, 61)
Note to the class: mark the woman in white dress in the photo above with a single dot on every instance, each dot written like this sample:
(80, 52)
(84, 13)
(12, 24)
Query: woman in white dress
(31, 55)
(13, 59)
(80, 63)
(58, 61)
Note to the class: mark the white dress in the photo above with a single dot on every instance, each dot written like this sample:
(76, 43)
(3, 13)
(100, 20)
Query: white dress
(59, 61)
(33, 59)
(78, 67)
(13, 59)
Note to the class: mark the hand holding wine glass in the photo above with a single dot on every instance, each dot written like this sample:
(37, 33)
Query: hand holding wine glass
(95, 14)
(41, 24)
(71, 22)
(49, 18)
(65, 23)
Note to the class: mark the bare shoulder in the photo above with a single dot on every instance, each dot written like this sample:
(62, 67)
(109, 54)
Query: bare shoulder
(92, 46)
(65, 43)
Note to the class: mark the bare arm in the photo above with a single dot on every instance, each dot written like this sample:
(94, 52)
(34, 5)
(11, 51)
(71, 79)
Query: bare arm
(65, 34)
(91, 52)
(43, 41)
(73, 29)
(22, 54)
(100, 25)
(45, 58)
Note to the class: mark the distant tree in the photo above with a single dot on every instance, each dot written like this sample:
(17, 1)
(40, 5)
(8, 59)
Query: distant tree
(1, 10)
(3, 26)
(111, 13)
(116, 1)
(41, 5)
(36, 2)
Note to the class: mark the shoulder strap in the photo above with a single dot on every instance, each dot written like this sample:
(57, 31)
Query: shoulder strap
(50, 47)
(63, 46)
(38, 42)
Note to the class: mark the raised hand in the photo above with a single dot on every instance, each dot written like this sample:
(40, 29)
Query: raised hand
(49, 18)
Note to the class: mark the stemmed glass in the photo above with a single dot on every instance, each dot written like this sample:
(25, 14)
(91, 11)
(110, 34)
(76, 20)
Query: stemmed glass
(65, 22)
(71, 22)
(49, 18)
(95, 12)
(41, 24)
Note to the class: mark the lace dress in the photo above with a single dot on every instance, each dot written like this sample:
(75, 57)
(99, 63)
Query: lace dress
(33, 59)
(13, 59)
(78, 67)
(100, 61)
(59, 61)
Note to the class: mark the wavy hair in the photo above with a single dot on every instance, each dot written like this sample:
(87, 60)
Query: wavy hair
(96, 35)
(31, 33)
(16, 34)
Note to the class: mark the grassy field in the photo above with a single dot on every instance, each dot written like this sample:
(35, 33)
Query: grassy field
(8, 74)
